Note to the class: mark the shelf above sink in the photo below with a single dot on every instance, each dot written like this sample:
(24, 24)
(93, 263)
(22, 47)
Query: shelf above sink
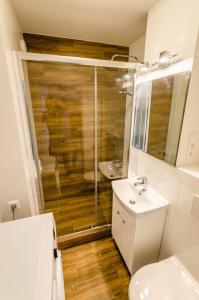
(136, 204)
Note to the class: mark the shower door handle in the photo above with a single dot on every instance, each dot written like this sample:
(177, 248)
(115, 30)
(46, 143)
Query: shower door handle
(41, 168)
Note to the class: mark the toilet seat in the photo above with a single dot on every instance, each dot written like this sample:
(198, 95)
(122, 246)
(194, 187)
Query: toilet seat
(165, 280)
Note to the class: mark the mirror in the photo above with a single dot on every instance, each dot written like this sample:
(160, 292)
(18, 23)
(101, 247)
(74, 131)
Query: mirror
(158, 115)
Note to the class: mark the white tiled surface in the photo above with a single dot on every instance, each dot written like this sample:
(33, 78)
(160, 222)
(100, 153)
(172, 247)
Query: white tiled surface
(172, 25)
(189, 142)
(181, 235)
(14, 175)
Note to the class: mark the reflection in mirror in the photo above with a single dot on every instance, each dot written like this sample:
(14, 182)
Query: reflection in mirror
(142, 101)
(159, 105)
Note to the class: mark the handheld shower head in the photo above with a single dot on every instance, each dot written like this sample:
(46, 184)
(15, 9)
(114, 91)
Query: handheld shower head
(124, 56)
(125, 93)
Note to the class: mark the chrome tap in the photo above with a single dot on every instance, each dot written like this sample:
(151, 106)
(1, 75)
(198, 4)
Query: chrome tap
(142, 181)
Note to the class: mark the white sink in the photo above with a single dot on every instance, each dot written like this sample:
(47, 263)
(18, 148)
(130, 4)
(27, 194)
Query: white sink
(137, 204)
(111, 169)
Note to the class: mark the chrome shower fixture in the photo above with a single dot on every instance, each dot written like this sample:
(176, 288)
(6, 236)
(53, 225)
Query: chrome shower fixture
(165, 59)
(125, 93)
(127, 77)
(125, 56)
(145, 66)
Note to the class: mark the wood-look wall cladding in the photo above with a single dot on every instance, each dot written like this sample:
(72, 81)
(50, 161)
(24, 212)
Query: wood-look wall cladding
(161, 99)
(63, 108)
(61, 46)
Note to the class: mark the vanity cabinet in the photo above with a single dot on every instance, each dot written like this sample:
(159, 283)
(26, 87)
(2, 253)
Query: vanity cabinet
(123, 231)
(138, 237)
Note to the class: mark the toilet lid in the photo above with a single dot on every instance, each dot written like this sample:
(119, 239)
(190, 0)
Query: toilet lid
(166, 280)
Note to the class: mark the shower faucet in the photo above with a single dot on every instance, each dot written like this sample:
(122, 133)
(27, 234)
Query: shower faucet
(125, 93)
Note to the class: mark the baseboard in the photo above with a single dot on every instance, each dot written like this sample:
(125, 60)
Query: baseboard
(75, 239)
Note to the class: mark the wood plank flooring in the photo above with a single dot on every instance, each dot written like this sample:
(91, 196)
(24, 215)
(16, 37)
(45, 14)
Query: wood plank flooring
(95, 271)
(78, 213)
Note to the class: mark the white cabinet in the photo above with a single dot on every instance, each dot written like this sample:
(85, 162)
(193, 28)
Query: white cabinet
(30, 264)
(137, 237)
(127, 237)
(116, 222)
(123, 230)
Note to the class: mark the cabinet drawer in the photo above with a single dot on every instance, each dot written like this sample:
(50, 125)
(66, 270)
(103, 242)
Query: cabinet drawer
(127, 231)
(116, 221)
(123, 231)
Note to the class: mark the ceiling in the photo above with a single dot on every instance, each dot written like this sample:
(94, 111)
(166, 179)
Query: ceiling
(117, 22)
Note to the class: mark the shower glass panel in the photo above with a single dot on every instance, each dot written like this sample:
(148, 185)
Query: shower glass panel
(63, 110)
(142, 103)
(113, 105)
(81, 115)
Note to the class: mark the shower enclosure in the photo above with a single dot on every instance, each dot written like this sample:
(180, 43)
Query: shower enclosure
(78, 118)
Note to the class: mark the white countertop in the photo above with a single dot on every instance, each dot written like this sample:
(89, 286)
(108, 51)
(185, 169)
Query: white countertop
(26, 258)
(148, 202)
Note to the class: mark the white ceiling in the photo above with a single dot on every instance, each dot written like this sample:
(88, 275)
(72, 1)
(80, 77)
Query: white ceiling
(107, 21)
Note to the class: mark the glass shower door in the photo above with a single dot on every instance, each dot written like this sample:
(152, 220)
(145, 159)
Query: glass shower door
(114, 108)
(81, 117)
(62, 99)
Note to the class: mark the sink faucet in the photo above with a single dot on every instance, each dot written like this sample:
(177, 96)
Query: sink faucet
(142, 181)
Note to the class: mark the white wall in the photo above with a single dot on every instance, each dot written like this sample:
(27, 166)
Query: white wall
(13, 175)
(181, 235)
(172, 25)
(189, 155)
(137, 48)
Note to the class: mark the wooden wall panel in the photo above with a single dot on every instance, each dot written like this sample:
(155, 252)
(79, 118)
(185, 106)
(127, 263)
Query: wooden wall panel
(63, 107)
(61, 46)
(161, 99)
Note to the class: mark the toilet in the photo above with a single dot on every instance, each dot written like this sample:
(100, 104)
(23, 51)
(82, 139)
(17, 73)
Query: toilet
(165, 280)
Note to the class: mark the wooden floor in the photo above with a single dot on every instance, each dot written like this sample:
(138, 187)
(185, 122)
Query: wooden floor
(95, 271)
(78, 213)
(72, 214)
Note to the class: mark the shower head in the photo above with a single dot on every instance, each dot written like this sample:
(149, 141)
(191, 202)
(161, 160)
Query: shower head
(124, 56)
(125, 93)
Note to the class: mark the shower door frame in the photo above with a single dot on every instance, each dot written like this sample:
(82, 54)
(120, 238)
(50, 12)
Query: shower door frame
(37, 57)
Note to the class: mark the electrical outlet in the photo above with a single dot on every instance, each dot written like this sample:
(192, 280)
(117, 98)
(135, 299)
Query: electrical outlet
(14, 202)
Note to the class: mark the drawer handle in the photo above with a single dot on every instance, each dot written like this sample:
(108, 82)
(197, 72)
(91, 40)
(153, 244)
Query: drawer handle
(123, 221)
(118, 212)
(55, 252)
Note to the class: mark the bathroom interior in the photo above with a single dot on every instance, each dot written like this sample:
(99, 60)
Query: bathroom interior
(99, 195)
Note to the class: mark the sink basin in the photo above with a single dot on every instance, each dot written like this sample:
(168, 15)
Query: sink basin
(137, 204)
(111, 169)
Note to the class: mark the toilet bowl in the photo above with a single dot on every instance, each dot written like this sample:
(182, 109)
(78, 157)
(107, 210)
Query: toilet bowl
(165, 280)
